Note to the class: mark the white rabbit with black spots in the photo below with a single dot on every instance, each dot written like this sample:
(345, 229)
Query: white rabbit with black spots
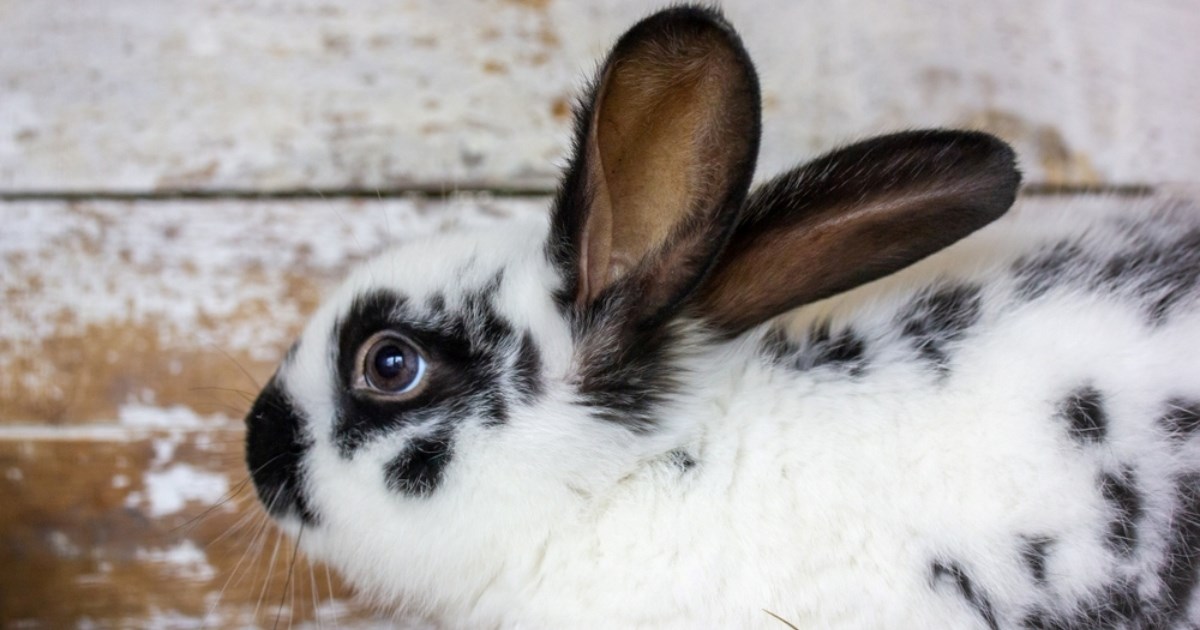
(832, 400)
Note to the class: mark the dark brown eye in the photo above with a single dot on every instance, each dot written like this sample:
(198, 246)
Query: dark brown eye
(391, 366)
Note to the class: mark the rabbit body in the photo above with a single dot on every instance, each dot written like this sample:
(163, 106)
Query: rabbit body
(692, 433)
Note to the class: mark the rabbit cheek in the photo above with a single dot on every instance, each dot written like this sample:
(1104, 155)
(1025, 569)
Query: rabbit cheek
(275, 446)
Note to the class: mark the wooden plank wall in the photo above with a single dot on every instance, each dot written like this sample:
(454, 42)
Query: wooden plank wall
(180, 182)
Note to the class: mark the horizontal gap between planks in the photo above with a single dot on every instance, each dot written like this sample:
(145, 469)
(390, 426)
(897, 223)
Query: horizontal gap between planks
(435, 192)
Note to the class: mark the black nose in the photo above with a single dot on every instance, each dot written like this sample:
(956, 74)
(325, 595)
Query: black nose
(275, 447)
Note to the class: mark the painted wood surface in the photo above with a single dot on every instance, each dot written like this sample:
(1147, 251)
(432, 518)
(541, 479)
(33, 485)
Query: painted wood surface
(142, 95)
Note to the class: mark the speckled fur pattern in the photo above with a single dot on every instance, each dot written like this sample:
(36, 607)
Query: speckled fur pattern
(1005, 434)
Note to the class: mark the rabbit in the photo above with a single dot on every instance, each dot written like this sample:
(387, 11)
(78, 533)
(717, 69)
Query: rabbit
(853, 396)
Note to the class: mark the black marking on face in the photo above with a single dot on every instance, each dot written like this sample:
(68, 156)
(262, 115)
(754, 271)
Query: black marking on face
(467, 350)
(952, 573)
(527, 371)
(626, 375)
(1182, 419)
(845, 351)
(937, 319)
(1121, 492)
(418, 469)
(275, 448)
(1034, 551)
(1087, 421)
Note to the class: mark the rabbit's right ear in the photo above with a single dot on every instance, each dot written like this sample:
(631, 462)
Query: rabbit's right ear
(664, 155)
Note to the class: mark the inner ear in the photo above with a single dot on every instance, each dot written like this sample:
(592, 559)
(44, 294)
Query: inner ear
(666, 150)
(654, 132)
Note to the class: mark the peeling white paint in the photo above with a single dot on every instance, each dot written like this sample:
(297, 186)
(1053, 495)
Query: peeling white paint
(169, 490)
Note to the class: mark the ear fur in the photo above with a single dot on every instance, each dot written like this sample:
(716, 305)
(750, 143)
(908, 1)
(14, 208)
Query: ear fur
(664, 153)
(854, 215)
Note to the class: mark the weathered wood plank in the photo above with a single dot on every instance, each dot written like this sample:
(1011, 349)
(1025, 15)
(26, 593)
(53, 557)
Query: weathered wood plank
(190, 303)
(138, 95)
(137, 532)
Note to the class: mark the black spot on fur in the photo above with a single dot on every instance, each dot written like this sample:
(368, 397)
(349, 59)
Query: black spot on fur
(1182, 566)
(1161, 272)
(527, 371)
(1116, 606)
(437, 303)
(1121, 603)
(1182, 419)
(942, 572)
(1036, 274)
(275, 445)
(845, 351)
(1034, 552)
(1084, 411)
(1121, 492)
(1157, 268)
(468, 349)
(419, 469)
(681, 460)
(936, 319)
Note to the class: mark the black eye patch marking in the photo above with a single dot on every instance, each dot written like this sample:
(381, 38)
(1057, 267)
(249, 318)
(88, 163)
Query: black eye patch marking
(1084, 412)
(418, 469)
(468, 347)
(845, 351)
(1182, 419)
(1121, 492)
(953, 574)
(938, 318)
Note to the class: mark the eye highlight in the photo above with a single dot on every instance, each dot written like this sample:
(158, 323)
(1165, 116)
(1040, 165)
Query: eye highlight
(390, 365)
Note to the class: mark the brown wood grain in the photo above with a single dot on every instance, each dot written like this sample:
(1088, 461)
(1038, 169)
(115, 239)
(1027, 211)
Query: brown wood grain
(81, 542)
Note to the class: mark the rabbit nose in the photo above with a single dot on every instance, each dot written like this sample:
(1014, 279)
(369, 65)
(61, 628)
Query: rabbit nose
(275, 448)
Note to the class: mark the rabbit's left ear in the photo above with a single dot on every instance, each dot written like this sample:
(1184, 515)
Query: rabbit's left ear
(665, 152)
(854, 215)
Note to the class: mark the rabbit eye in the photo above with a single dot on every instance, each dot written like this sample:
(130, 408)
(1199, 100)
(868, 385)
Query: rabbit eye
(390, 365)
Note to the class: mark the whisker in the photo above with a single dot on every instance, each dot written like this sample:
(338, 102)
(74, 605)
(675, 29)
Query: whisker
(289, 583)
(316, 606)
(245, 553)
(244, 371)
(329, 582)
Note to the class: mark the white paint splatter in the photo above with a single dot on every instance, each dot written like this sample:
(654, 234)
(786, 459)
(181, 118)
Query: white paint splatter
(185, 560)
(169, 491)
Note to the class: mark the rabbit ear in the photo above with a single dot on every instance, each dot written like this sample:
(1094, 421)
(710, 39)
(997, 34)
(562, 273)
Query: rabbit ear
(854, 215)
(665, 152)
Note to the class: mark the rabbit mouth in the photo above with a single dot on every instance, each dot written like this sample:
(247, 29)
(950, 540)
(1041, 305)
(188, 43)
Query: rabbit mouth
(275, 448)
